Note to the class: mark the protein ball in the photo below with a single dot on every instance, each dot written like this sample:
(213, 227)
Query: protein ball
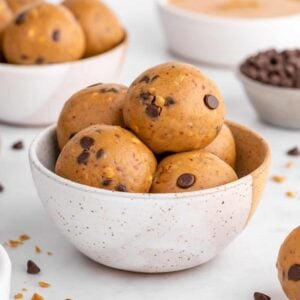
(5, 18)
(173, 107)
(191, 171)
(288, 265)
(223, 146)
(98, 104)
(107, 157)
(45, 33)
(102, 29)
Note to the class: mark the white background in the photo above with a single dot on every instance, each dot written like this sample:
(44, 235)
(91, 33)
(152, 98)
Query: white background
(246, 266)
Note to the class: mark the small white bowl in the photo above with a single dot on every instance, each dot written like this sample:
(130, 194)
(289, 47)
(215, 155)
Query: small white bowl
(152, 233)
(222, 40)
(34, 95)
(5, 274)
(278, 106)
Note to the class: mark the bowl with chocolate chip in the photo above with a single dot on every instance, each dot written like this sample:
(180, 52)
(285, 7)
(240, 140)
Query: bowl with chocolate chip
(271, 80)
(49, 51)
(223, 32)
(150, 178)
(5, 274)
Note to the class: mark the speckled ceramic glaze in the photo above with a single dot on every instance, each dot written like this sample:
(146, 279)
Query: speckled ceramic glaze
(151, 232)
(5, 273)
(34, 95)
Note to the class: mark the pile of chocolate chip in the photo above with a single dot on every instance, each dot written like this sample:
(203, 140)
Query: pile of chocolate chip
(273, 67)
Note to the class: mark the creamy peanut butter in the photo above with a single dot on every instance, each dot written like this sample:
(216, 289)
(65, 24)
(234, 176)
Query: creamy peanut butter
(241, 8)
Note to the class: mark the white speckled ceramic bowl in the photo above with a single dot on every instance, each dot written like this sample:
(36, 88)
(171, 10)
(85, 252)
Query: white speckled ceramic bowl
(152, 232)
(34, 95)
(5, 274)
(224, 41)
(278, 106)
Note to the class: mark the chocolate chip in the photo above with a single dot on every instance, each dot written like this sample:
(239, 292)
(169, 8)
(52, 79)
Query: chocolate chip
(154, 78)
(40, 60)
(106, 182)
(294, 152)
(87, 142)
(83, 158)
(145, 79)
(32, 267)
(18, 145)
(153, 111)
(294, 273)
(186, 180)
(146, 96)
(1, 188)
(20, 19)
(211, 101)
(169, 101)
(95, 84)
(100, 153)
(56, 35)
(121, 188)
(260, 296)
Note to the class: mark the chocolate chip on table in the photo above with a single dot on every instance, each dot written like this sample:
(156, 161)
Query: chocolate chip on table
(260, 296)
(186, 180)
(145, 79)
(18, 145)
(83, 157)
(32, 267)
(100, 153)
(86, 142)
(56, 35)
(294, 152)
(20, 19)
(121, 188)
(294, 273)
(153, 111)
(211, 101)
(1, 188)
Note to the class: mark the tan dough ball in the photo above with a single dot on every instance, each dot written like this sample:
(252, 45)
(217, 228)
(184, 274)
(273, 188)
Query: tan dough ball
(173, 107)
(18, 5)
(107, 157)
(97, 104)
(223, 146)
(45, 33)
(191, 171)
(288, 265)
(102, 29)
(6, 16)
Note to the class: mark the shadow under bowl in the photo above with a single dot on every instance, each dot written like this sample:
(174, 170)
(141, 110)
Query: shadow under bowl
(152, 233)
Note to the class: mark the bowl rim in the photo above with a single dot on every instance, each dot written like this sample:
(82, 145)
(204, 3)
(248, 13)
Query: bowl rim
(198, 16)
(41, 68)
(247, 80)
(35, 162)
(5, 266)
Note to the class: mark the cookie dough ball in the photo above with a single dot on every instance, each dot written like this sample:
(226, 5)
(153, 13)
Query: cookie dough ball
(18, 5)
(102, 29)
(173, 107)
(288, 265)
(5, 18)
(97, 104)
(107, 157)
(223, 146)
(191, 171)
(45, 33)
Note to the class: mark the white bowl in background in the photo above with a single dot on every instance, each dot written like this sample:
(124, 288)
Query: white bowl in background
(222, 40)
(152, 233)
(34, 95)
(279, 106)
(5, 274)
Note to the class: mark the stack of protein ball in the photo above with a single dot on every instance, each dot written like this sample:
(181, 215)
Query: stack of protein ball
(111, 137)
(35, 32)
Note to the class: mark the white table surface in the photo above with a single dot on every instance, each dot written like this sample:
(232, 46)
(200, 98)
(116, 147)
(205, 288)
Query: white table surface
(246, 266)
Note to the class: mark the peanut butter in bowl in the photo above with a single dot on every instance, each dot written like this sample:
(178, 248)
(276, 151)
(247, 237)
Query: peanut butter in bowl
(241, 8)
